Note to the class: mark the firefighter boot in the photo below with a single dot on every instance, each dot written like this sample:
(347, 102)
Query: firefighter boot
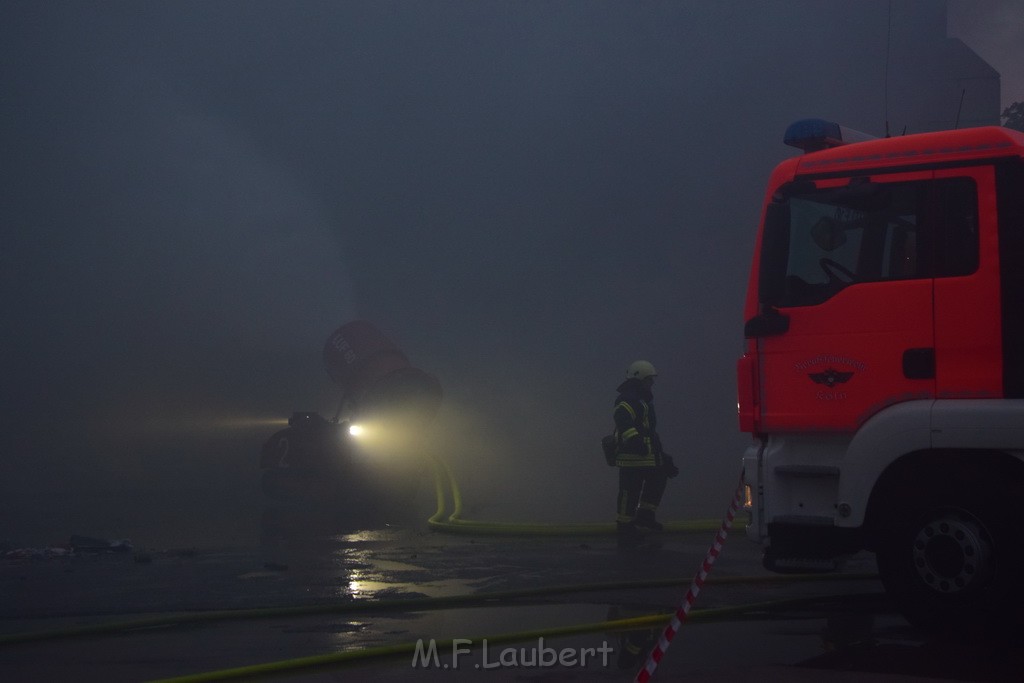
(645, 520)
(630, 652)
(628, 535)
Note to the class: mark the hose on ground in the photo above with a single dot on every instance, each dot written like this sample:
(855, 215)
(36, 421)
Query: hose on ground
(350, 657)
(495, 599)
(454, 523)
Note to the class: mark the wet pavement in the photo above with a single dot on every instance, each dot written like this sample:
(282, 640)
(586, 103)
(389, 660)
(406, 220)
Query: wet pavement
(413, 604)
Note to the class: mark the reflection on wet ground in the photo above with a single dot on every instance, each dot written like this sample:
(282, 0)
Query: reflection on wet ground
(385, 592)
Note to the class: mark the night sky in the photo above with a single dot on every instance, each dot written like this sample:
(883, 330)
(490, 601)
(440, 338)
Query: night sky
(525, 196)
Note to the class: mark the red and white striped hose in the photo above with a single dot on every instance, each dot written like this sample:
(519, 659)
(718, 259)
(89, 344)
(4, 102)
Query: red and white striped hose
(683, 610)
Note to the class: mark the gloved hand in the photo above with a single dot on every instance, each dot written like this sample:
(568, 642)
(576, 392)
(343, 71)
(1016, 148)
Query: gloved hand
(667, 464)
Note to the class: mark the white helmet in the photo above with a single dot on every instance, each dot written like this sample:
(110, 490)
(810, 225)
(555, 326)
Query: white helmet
(641, 369)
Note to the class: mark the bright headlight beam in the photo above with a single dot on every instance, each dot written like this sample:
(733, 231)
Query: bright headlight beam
(355, 430)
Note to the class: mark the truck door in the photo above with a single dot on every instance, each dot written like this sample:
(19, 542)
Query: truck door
(846, 284)
(968, 324)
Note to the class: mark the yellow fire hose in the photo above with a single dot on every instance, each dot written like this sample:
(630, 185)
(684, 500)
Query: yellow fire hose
(615, 626)
(452, 524)
(456, 525)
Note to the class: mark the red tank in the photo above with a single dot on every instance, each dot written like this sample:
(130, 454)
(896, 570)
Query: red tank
(375, 374)
(357, 353)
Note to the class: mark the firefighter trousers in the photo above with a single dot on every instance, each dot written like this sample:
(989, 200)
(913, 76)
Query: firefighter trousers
(639, 488)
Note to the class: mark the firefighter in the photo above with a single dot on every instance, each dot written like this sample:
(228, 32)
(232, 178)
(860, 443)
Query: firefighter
(644, 468)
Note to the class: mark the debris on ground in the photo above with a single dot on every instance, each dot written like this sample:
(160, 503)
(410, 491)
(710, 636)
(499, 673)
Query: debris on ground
(77, 544)
(99, 545)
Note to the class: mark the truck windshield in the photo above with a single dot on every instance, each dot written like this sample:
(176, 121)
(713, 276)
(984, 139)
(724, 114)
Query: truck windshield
(828, 239)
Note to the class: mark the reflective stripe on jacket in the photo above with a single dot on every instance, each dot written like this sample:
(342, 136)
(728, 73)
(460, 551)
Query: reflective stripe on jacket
(635, 422)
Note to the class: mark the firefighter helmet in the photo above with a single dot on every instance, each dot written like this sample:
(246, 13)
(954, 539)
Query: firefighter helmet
(641, 369)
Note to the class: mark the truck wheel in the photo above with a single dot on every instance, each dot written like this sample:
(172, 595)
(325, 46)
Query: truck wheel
(949, 560)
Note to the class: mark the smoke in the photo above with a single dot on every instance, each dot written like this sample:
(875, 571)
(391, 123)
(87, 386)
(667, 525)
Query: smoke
(200, 283)
(525, 197)
(994, 30)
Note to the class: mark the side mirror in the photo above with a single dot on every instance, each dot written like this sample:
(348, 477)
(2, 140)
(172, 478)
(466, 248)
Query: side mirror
(827, 234)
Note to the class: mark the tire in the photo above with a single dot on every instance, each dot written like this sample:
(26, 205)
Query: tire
(951, 558)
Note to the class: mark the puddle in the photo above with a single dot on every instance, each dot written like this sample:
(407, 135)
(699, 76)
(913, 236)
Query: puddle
(394, 566)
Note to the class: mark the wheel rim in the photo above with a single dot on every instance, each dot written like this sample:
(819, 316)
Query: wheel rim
(952, 553)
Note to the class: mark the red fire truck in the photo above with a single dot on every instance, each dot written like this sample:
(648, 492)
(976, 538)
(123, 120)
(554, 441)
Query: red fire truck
(883, 371)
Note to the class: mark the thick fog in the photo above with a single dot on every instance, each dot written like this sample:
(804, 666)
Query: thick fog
(524, 196)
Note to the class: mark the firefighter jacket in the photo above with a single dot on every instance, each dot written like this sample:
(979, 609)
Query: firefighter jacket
(636, 436)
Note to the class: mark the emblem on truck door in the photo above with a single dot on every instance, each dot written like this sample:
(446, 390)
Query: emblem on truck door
(830, 377)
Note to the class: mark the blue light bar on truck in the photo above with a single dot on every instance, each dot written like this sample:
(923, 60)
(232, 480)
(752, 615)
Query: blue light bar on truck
(812, 135)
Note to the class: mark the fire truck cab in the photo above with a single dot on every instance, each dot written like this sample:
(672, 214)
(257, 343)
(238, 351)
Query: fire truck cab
(882, 377)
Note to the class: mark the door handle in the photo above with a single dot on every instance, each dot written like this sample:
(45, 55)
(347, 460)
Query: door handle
(919, 363)
(767, 324)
